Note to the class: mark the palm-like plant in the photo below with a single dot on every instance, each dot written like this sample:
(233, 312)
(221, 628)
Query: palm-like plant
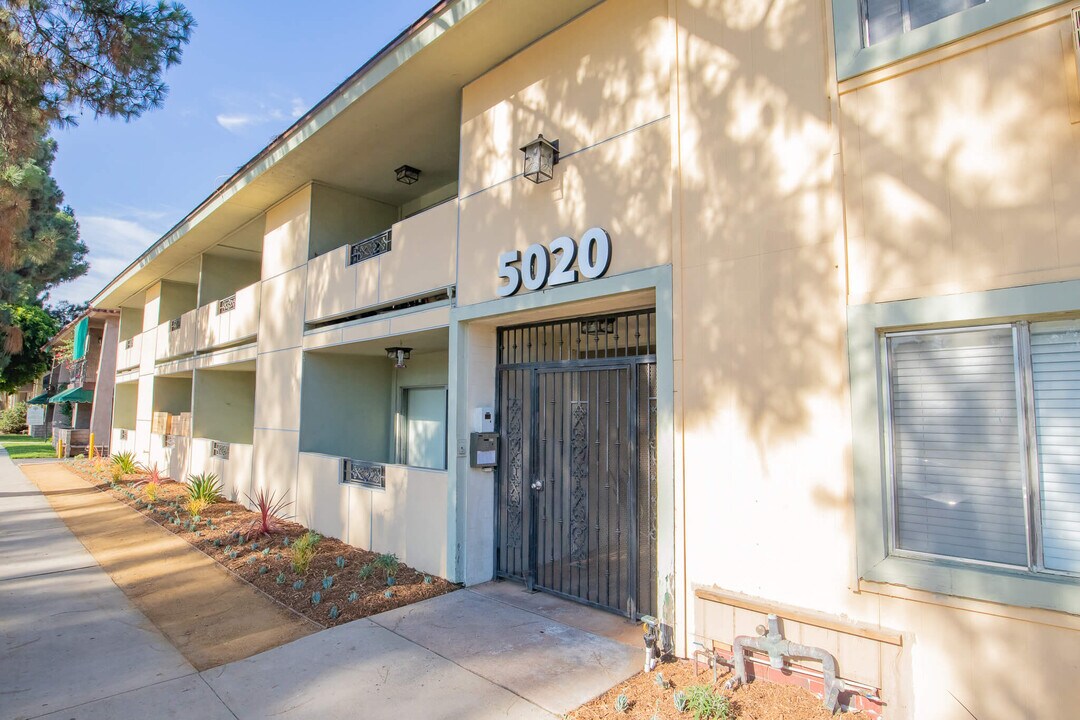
(270, 509)
(204, 486)
(125, 463)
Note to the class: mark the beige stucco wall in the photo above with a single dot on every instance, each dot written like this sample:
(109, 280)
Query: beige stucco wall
(960, 172)
(601, 87)
(959, 176)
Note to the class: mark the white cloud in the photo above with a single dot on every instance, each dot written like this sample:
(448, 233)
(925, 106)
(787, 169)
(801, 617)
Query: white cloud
(114, 242)
(278, 110)
(233, 123)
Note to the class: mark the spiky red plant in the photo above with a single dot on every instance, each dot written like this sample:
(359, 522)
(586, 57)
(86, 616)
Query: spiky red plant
(270, 512)
(150, 475)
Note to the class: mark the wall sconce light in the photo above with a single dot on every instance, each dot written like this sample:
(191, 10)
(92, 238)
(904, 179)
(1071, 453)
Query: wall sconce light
(541, 157)
(407, 174)
(399, 355)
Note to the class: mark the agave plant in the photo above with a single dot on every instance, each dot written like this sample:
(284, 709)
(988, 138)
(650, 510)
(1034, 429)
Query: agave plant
(205, 486)
(389, 563)
(125, 463)
(270, 510)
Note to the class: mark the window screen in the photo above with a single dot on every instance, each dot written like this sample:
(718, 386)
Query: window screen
(1055, 379)
(883, 19)
(957, 463)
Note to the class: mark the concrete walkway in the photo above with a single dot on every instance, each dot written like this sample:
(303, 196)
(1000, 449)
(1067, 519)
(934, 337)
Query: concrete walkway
(73, 646)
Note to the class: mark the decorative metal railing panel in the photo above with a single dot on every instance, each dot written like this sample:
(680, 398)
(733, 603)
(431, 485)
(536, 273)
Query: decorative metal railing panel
(168, 441)
(369, 247)
(364, 473)
(123, 434)
(219, 449)
(129, 343)
(78, 373)
(226, 304)
(175, 324)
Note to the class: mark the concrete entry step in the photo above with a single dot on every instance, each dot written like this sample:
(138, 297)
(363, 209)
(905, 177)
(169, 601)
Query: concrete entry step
(554, 665)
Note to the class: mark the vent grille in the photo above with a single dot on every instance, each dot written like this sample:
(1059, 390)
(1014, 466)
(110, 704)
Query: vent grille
(363, 473)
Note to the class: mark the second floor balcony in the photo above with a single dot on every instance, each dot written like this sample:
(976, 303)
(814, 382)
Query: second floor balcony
(230, 321)
(129, 353)
(414, 257)
(176, 337)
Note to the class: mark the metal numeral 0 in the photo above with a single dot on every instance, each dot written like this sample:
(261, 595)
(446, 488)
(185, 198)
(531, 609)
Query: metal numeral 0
(595, 253)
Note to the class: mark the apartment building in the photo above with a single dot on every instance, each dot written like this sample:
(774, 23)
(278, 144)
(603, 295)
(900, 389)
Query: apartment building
(72, 402)
(701, 309)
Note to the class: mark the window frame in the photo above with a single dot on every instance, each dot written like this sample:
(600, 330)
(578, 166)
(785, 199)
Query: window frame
(402, 431)
(854, 58)
(875, 560)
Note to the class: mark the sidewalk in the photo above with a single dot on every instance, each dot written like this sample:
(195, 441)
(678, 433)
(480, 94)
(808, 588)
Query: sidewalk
(73, 644)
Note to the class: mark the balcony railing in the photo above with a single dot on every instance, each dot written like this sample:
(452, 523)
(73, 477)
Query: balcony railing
(370, 247)
(176, 338)
(415, 256)
(129, 353)
(231, 320)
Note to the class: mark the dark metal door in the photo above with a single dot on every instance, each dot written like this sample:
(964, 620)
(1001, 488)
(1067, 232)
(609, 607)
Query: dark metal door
(577, 475)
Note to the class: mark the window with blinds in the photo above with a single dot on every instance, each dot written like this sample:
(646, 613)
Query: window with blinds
(883, 19)
(984, 426)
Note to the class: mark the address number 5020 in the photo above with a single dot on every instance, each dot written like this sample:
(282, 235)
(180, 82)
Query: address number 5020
(554, 265)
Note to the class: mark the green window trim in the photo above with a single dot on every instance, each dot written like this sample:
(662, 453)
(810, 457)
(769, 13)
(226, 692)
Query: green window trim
(852, 58)
(866, 323)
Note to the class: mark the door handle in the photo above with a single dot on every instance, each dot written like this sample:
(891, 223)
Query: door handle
(537, 484)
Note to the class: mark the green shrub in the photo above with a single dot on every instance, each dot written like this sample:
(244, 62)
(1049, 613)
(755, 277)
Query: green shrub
(124, 463)
(13, 419)
(304, 550)
(204, 486)
(707, 704)
(389, 563)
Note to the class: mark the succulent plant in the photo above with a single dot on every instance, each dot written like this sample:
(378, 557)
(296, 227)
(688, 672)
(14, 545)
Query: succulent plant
(285, 542)
(263, 569)
(354, 596)
(428, 580)
(681, 701)
(250, 559)
(366, 571)
(265, 552)
(280, 579)
(254, 546)
(316, 597)
(334, 612)
(622, 703)
(340, 562)
(217, 542)
(298, 585)
(233, 555)
(228, 512)
(327, 581)
(660, 682)
(391, 580)
(388, 594)
(228, 549)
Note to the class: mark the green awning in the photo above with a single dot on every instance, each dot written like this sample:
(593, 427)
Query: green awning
(73, 395)
(42, 399)
(82, 339)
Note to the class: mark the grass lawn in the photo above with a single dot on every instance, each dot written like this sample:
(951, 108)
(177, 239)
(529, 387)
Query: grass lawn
(21, 447)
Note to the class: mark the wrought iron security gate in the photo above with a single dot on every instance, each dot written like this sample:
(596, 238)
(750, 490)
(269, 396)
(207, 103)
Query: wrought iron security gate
(576, 483)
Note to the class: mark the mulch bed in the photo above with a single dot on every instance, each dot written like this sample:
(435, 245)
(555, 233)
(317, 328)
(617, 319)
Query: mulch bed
(266, 562)
(648, 698)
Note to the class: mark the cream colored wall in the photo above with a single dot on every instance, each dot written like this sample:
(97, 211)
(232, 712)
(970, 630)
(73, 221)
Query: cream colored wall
(959, 176)
(604, 77)
(278, 364)
(960, 166)
(234, 473)
(218, 329)
(408, 518)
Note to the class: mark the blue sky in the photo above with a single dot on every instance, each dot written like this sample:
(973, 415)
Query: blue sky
(251, 68)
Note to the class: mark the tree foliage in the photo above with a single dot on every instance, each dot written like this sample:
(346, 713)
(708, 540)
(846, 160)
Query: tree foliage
(35, 327)
(64, 311)
(47, 250)
(57, 58)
